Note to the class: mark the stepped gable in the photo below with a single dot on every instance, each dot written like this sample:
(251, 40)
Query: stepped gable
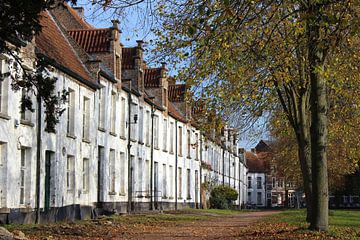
(53, 44)
(152, 77)
(128, 58)
(92, 40)
(177, 92)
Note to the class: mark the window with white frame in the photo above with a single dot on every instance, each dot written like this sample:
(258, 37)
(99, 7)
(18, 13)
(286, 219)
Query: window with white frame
(171, 137)
(112, 170)
(141, 124)
(122, 117)
(165, 135)
(259, 198)
(70, 173)
(147, 176)
(180, 141)
(180, 183)
(71, 113)
(25, 114)
(197, 146)
(139, 176)
(24, 168)
(164, 182)
(3, 88)
(259, 183)
(171, 178)
(86, 118)
(133, 126)
(249, 182)
(147, 127)
(113, 112)
(188, 182)
(156, 131)
(102, 96)
(188, 143)
(123, 171)
(85, 175)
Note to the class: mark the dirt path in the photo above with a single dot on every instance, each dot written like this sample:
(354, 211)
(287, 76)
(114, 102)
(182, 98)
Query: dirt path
(173, 225)
(216, 227)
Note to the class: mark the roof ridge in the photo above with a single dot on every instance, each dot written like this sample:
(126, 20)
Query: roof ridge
(93, 29)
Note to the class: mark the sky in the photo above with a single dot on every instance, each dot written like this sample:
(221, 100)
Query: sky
(133, 27)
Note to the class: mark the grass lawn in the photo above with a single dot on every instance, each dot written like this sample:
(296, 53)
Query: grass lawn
(344, 224)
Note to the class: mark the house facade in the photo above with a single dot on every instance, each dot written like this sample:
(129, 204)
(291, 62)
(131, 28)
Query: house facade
(126, 141)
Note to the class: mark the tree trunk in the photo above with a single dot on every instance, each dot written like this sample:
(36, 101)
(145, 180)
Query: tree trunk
(318, 103)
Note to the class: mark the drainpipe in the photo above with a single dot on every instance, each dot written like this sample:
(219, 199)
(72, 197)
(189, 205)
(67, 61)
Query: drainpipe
(176, 166)
(200, 169)
(223, 170)
(130, 168)
(229, 170)
(38, 160)
(152, 159)
(239, 183)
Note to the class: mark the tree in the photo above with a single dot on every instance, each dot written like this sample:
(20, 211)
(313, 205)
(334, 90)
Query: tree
(252, 54)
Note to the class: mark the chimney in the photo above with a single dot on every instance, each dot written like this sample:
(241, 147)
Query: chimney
(115, 31)
(140, 43)
(80, 11)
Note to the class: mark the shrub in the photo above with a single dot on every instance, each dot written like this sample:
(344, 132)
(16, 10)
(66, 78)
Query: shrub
(221, 197)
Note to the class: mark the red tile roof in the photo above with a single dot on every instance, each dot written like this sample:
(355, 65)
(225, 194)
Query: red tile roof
(128, 58)
(152, 77)
(92, 40)
(172, 110)
(52, 43)
(177, 92)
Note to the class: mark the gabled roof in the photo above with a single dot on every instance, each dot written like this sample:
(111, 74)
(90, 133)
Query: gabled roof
(152, 77)
(175, 113)
(77, 18)
(258, 163)
(177, 92)
(92, 40)
(128, 58)
(53, 44)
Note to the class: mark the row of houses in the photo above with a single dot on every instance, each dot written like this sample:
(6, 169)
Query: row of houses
(127, 140)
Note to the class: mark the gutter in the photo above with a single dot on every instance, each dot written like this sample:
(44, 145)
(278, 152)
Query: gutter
(130, 168)
(223, 166)
(200, 169)
(176, 166)
(152, 160)
(38, 160)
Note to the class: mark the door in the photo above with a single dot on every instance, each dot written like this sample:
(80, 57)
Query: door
(156, 185)
(49, 155)
(197, 189)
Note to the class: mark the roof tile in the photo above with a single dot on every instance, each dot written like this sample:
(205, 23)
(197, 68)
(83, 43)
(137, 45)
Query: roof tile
(152, 77)
(92, 40)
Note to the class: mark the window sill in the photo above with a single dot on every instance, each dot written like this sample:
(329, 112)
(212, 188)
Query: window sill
(156, 148)
(101, 129)
(188, 198)
(164, 150)
(71, 136)
(180, 198)
(122, 194)
(141, 143)
(171, 152)
(171, 198)
(5, 116)
(180, 155)
(164, 197)
(85, 140)
(27, 123)
(122, 137)
(133, 140)
(85, 192)
(147, 145)
(113, 134)
(188, 157)
(112, 193)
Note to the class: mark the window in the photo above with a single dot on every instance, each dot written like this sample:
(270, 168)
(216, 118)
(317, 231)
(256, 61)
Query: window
(196, 146)
(188, 143)
(85, 175)
(86, 118)
(26, 114)
(165, 135)
(259, 198)
(249, 197)
(117, 67)
(171, 137)
(188, 182)
(249, 182)
(273, 182)
(23, 163)
(180, 141)
(139, 176)
(147, 176)
(180, 183)
(102, 107)
(3, 88)
(164, 182)
(112, 170)
(3, 154)
(122, 171)
(171, 176)
(123, 117)
(141, 125)
(258, 183)
(113, 112)
(70, 173)
(156, 131)
(71, 113)
(147, 128)
(132, 125)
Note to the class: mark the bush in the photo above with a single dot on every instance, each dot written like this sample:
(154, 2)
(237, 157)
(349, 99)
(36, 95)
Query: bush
(221, 197)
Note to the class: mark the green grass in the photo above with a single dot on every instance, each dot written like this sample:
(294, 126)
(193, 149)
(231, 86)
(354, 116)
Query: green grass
(342, 223)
